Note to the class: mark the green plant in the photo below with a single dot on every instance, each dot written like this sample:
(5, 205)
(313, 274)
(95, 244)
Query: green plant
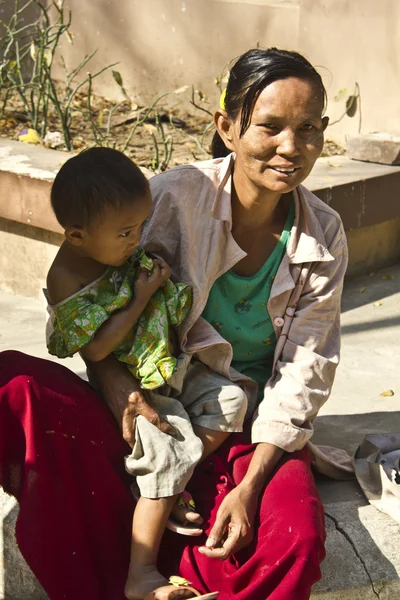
(33, 47)
(352, 104)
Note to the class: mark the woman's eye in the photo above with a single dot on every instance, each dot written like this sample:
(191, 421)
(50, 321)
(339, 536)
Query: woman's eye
(270, 126)
(308, 127)
(125, 234)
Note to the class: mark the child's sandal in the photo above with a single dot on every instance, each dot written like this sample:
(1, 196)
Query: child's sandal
(174, 591)
(184, 499)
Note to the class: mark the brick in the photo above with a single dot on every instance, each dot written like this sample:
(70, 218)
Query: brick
(381, 148)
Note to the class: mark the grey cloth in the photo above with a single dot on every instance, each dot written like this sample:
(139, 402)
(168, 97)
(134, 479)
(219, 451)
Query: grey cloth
(194, 395)
(377, 468)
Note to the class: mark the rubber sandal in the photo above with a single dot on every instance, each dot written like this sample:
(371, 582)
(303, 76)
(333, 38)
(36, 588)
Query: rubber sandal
(179, 583)
(185, 499)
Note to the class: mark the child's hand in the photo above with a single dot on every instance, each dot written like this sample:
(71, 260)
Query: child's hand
(147, 284)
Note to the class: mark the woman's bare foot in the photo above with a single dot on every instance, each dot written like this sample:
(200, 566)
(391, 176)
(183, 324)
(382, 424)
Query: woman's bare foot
(142, 581)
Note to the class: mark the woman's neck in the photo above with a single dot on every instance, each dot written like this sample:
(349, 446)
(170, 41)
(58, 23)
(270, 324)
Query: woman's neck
(252, 207)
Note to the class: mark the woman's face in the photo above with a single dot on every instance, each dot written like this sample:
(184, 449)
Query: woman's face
(284, 139)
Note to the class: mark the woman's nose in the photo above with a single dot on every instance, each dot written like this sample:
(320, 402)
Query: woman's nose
(287, 143)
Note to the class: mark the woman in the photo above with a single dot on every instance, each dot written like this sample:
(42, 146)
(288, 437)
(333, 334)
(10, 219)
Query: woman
(266, 260)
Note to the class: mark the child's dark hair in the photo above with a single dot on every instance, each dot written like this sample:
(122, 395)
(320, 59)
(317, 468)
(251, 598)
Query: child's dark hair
(250, 74)
(92, 182)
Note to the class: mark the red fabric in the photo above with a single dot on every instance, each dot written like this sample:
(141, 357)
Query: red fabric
(61, 455)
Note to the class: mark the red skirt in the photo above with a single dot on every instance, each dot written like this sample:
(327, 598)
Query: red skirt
(61, 456)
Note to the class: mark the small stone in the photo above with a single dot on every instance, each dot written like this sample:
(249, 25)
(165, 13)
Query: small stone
(382, 148)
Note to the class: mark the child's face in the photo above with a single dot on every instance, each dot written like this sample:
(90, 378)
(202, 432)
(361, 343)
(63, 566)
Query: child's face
(113, 238)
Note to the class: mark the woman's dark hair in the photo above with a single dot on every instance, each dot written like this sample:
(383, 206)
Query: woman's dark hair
(92, 182)
(250, 74)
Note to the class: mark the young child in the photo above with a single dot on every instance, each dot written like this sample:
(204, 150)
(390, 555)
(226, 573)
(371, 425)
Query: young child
(106, 295)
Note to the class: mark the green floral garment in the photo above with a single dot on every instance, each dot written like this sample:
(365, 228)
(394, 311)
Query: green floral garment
(145, 350)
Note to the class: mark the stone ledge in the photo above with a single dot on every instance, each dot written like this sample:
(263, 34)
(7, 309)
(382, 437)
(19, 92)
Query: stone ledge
(364, 194)
(26, 175)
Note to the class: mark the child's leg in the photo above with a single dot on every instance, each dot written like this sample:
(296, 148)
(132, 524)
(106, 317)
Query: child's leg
(149, 520)
(211, 439)
(162, 465)
(216, 406)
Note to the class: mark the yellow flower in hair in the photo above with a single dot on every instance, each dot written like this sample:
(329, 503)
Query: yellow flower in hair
(222, 104)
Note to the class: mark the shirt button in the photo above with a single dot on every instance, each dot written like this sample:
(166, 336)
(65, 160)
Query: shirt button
(290, 311)
(278, 322)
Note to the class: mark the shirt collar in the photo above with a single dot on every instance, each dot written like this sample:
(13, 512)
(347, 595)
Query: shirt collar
(307, 241)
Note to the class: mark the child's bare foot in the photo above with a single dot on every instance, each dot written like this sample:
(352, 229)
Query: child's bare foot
(142, 581)
(185, 515)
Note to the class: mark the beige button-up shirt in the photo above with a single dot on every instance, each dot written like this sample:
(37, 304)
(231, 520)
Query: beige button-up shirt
(190, 228)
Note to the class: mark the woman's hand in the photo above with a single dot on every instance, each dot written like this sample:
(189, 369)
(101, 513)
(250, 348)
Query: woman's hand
(235, 517)
(148, 283)
(234, 526)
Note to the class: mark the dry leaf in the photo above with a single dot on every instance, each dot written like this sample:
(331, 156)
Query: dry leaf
(149, 128)
(378, 303)
(387, 277)
(362, 289)
(181, 89)
(387, 393)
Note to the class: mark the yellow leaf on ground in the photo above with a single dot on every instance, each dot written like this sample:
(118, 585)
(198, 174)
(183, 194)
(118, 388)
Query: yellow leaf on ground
(334, 164)
(179, 581)
(387, 393)
(387, 277)
(149, 128)
(362, 289)
(378, 303)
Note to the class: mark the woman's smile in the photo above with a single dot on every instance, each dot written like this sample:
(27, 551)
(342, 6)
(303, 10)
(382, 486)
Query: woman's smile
(284, 172)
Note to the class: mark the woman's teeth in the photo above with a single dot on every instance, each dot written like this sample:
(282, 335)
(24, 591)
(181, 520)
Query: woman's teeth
(284, 170)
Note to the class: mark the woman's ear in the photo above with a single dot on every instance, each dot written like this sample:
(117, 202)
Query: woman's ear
(325, 122)
(224, 126)
(75, 235)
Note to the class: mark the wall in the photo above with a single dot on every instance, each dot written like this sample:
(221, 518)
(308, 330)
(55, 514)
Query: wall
(165, 44)
(356, 41)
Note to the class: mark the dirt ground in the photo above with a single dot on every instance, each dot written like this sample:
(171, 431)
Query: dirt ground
(189, 134)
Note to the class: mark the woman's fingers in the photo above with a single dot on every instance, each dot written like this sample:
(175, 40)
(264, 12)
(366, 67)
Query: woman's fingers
(216, 534)
(229, 546)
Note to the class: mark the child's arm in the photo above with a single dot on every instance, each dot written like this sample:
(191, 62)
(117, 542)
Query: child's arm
(116, 328)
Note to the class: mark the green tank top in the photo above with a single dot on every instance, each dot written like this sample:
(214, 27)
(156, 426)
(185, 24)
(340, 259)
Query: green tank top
(237, 309)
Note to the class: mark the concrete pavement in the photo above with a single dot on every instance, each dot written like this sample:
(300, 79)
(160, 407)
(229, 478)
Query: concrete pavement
(363, 545)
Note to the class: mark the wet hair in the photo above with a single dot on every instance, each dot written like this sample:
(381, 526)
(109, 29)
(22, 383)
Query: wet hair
(97, 180)
(251, 73)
